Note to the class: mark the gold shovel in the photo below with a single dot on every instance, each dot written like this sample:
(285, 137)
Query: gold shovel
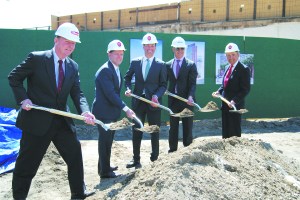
(147, 129)
(67, 114)
(184, 113)
(152, 128)
(151, 102)
(241, 111)
(210, 107)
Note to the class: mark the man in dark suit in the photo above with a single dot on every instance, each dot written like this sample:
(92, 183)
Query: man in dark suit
(182, 75)
(235, 87)
(108, 104)
(51, 78)
(150, 77)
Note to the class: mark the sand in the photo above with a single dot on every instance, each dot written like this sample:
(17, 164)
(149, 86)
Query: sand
(263, 164)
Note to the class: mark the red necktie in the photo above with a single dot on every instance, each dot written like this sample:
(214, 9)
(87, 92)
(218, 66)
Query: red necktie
(227, 75)
(61, 76)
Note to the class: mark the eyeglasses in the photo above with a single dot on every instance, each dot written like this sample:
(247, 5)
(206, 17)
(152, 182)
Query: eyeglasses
(177, 49)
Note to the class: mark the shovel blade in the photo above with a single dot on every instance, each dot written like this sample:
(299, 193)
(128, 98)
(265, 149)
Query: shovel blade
(241, 111)
(149, 129)
(181, 115)
(208, 110)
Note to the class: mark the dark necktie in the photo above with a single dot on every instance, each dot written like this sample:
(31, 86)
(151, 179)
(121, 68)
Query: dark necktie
(226, 79)
(177, 68)
(61, 76)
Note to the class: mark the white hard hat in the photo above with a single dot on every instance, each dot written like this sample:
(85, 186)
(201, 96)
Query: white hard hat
(149, 38)
(115, 45)
(68, 31)
(178, 42)
(231, 47)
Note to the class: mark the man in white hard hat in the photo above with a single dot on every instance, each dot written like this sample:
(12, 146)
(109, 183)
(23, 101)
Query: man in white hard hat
(107, 105)
(182, 75)
(235, 87)
(150, 77)
(51, 78)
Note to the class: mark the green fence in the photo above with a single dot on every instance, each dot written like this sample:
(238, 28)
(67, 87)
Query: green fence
(275, 92)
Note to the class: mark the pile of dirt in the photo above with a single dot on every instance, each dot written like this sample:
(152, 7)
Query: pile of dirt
(210, 106)
(210, 168)
(121, 124)
(235, 168)
(149, 129)
(184, 113)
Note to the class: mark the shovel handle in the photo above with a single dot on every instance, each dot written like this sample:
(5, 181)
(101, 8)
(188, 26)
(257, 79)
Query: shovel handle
(150, 102)
(138, 121)
(66, 114)
(226, 101)
(181, 98)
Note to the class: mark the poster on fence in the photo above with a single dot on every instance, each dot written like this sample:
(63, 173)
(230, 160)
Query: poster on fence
(222, 63)
(195, 51)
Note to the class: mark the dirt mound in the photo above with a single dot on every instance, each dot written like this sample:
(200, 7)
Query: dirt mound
(210, 106)
(262, 164)
(123, 123)
(185, 113)
(235, 168)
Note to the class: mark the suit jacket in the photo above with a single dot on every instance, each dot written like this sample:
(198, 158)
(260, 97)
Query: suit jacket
(238, 86)
(39, 70)
(186, 81)
(107, 103)
(155, 83)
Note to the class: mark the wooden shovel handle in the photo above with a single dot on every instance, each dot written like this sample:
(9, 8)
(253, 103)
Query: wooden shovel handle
(181, 98)
(150, 102)
(226, 101)
(66, 114)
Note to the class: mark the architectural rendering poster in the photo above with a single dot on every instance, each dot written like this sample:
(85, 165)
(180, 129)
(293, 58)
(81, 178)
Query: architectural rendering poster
(136, 49)
(221, 63)
(195, 52)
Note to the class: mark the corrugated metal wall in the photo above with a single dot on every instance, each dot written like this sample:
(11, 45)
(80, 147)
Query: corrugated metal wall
(187, 11)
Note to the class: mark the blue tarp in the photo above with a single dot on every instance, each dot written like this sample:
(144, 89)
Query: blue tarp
(10, 137)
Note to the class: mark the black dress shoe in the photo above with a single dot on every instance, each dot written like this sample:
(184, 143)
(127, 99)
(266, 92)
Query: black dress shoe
(82, 196)
(110, 175)
(135, 164)
(115, 168)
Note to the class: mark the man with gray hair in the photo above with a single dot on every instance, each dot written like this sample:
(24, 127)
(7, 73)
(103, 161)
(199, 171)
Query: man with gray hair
(52, 76)
(235, 87)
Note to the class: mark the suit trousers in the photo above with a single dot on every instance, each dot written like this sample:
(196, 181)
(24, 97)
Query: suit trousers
(105, 141)
(32, 150)
(187, 136)
(231, 124)
(154, 118)
(187, 126)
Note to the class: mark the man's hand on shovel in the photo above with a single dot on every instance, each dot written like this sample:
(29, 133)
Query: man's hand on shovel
(89, 118)
(190, 101)
(25, 104)
(128, 92)
(155, 101)
(231, 104)
(130, 114)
